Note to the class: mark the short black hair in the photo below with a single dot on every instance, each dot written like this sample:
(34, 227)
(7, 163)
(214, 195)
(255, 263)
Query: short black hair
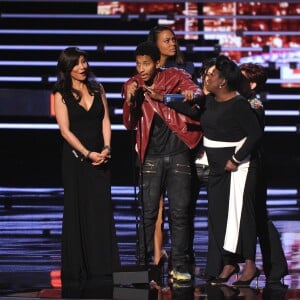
(230, 71)
(148, 48)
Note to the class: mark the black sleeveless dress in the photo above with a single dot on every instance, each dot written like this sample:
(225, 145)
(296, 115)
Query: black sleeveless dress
(89, 247)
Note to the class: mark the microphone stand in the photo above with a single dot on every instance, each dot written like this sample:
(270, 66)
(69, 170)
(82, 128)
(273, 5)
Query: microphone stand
(141, 198)
(140, 273)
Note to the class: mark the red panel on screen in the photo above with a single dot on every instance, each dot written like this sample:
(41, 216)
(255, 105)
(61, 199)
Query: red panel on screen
(51, 102)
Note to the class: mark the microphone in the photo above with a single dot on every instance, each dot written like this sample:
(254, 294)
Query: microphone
(173, 98)
(132, 96)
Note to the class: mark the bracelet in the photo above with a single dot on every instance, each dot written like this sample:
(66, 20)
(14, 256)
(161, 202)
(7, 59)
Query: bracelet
(234, 162)
(88, 155)
(107, 147)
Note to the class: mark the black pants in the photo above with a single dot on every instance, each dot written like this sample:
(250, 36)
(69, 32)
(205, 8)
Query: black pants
(173, 175)
(274, 261)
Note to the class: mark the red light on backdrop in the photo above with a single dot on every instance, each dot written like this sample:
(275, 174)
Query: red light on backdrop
(51, 103)
(55, 279)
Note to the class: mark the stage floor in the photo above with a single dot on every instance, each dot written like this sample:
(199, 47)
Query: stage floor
(30, 229)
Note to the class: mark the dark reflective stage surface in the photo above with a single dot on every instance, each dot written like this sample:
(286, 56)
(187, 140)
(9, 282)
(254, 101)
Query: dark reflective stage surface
(30, 228)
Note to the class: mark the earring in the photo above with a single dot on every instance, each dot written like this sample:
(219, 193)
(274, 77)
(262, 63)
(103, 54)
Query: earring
(220, 86)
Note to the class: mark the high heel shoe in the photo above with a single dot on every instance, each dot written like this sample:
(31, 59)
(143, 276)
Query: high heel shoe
(246, 283)
(221, 280)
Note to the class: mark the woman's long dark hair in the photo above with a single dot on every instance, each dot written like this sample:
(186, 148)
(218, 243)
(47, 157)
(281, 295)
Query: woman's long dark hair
(69, 58)
(152, 37)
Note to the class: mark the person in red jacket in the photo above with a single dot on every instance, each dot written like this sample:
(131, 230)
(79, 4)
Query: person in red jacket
(165, 134)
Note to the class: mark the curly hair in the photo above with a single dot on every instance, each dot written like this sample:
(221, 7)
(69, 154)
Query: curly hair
(148, 48)
(255, 73)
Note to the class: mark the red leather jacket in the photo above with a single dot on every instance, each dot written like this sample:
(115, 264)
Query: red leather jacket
(169, 81)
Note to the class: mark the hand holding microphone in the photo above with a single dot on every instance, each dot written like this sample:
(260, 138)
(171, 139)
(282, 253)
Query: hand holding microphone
(131, 90)
(189, 95)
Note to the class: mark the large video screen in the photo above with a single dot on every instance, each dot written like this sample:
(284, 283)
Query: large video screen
(264, 32)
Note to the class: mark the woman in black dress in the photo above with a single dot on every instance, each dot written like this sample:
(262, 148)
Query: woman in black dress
(89, 248)
(231, 135)
(274, 262)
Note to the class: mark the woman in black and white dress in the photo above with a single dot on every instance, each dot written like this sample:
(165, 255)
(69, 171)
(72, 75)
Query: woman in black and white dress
(231, 135)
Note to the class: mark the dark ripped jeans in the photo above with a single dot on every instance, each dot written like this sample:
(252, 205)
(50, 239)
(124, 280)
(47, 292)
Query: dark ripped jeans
(173, 175)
